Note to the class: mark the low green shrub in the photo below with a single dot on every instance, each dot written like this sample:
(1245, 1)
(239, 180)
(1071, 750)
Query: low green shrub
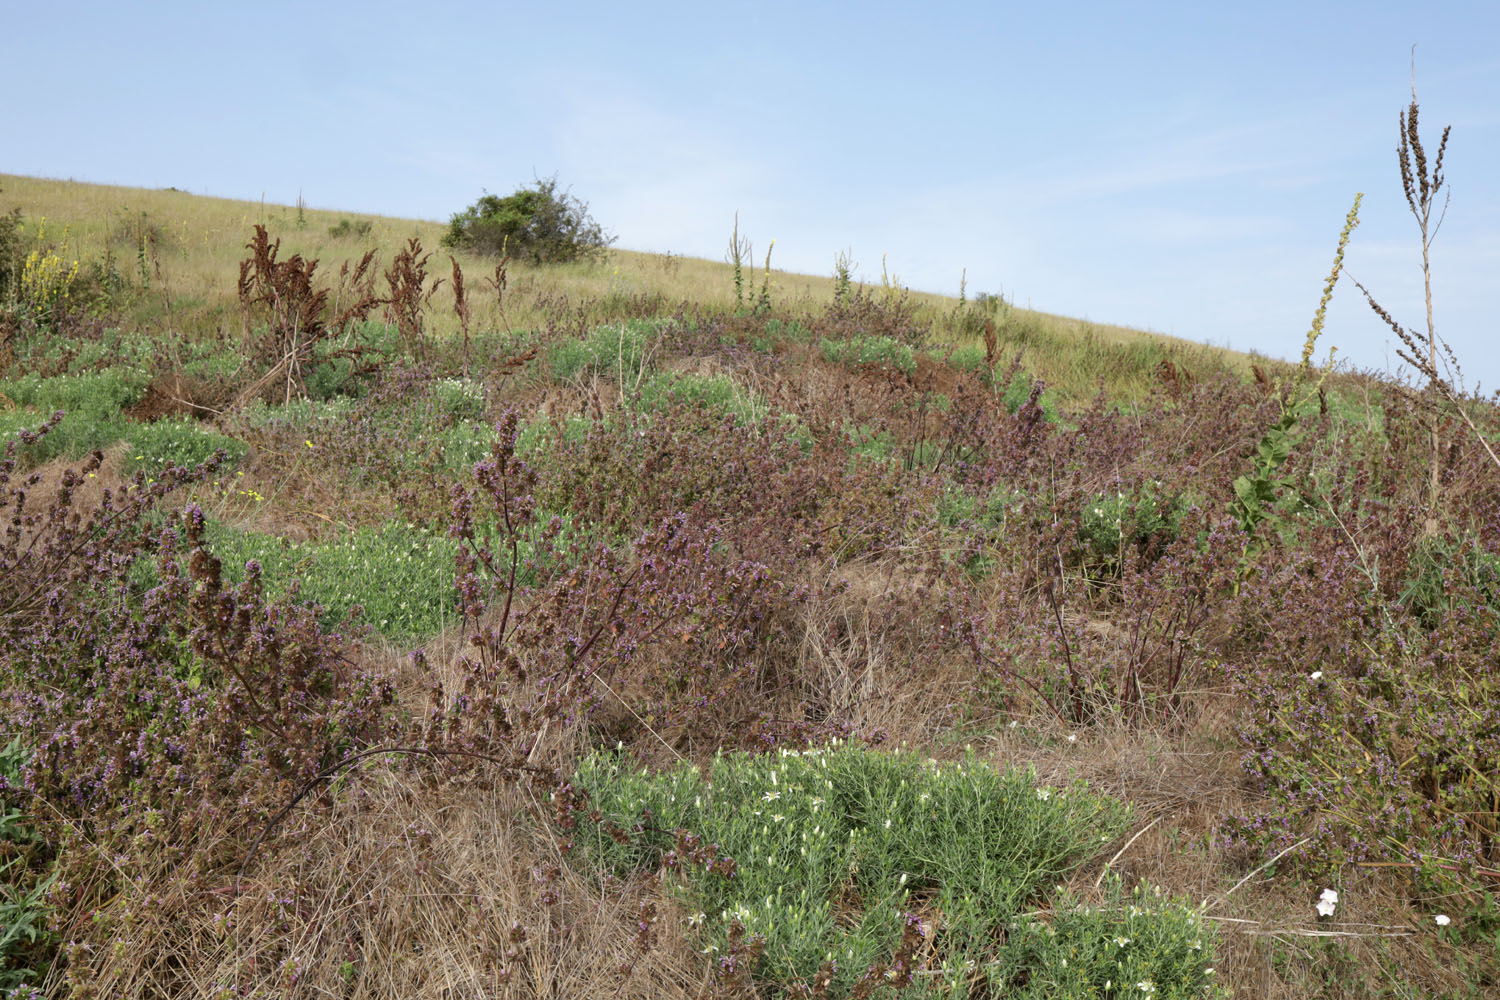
(346, 365)
(837, 851)
(157, 445)
(1143, 517)
(870, 351)
(350, 229)
(1136, 944)
(93, 404)
(1017, 390)
(1444, 571)
(614, 351)
(100, 393)
(717, 392)
(459, 398)
(965, 358)
(958, 506)
(401, 576)
(77, 435)
(25, 939)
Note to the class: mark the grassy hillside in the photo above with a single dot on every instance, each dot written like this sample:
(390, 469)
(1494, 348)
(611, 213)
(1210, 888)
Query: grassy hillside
(641, 643)
(178, 255)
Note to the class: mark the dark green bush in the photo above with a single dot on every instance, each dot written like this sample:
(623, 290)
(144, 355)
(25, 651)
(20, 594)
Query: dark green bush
(536, 223)
(349, 229)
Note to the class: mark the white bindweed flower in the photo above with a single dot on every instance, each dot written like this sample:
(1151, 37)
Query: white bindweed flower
(1442, 920)
(1327, 902)
(1316, 675)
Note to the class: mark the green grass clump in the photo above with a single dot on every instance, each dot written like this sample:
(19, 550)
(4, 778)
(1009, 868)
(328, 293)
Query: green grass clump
(156, 446)
(344, 365)
(836, 847)
(400, 575)
(24, 935)
(536, 439)
(1136, 944)
(870, 351)
(92, 405)
(1109, 522)
(1445, 572)
(101, 393)
(614, 351)
(1017, 391)
(964, 357)
(957, 506)
(460, 398)
(717, 392)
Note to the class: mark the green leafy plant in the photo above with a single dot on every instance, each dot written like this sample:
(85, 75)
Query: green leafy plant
(1111, 521)
(537, 223)
(1445, 572)
(400, 576)
(155, 446)
(832, 857)
(92, 408)
(24, 937)
(618, 350)
(1256, 493)
(719, 392)
(870, 351)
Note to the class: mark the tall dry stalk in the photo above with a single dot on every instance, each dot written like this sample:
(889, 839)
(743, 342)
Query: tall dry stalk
(1444, 379)
(461, 307)
(1421, 189)
(409, 295)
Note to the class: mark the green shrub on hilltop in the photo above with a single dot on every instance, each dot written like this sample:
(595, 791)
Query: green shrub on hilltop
(536, 223)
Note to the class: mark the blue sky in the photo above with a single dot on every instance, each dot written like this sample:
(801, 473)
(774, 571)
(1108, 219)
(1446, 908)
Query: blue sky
(1179, 167)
